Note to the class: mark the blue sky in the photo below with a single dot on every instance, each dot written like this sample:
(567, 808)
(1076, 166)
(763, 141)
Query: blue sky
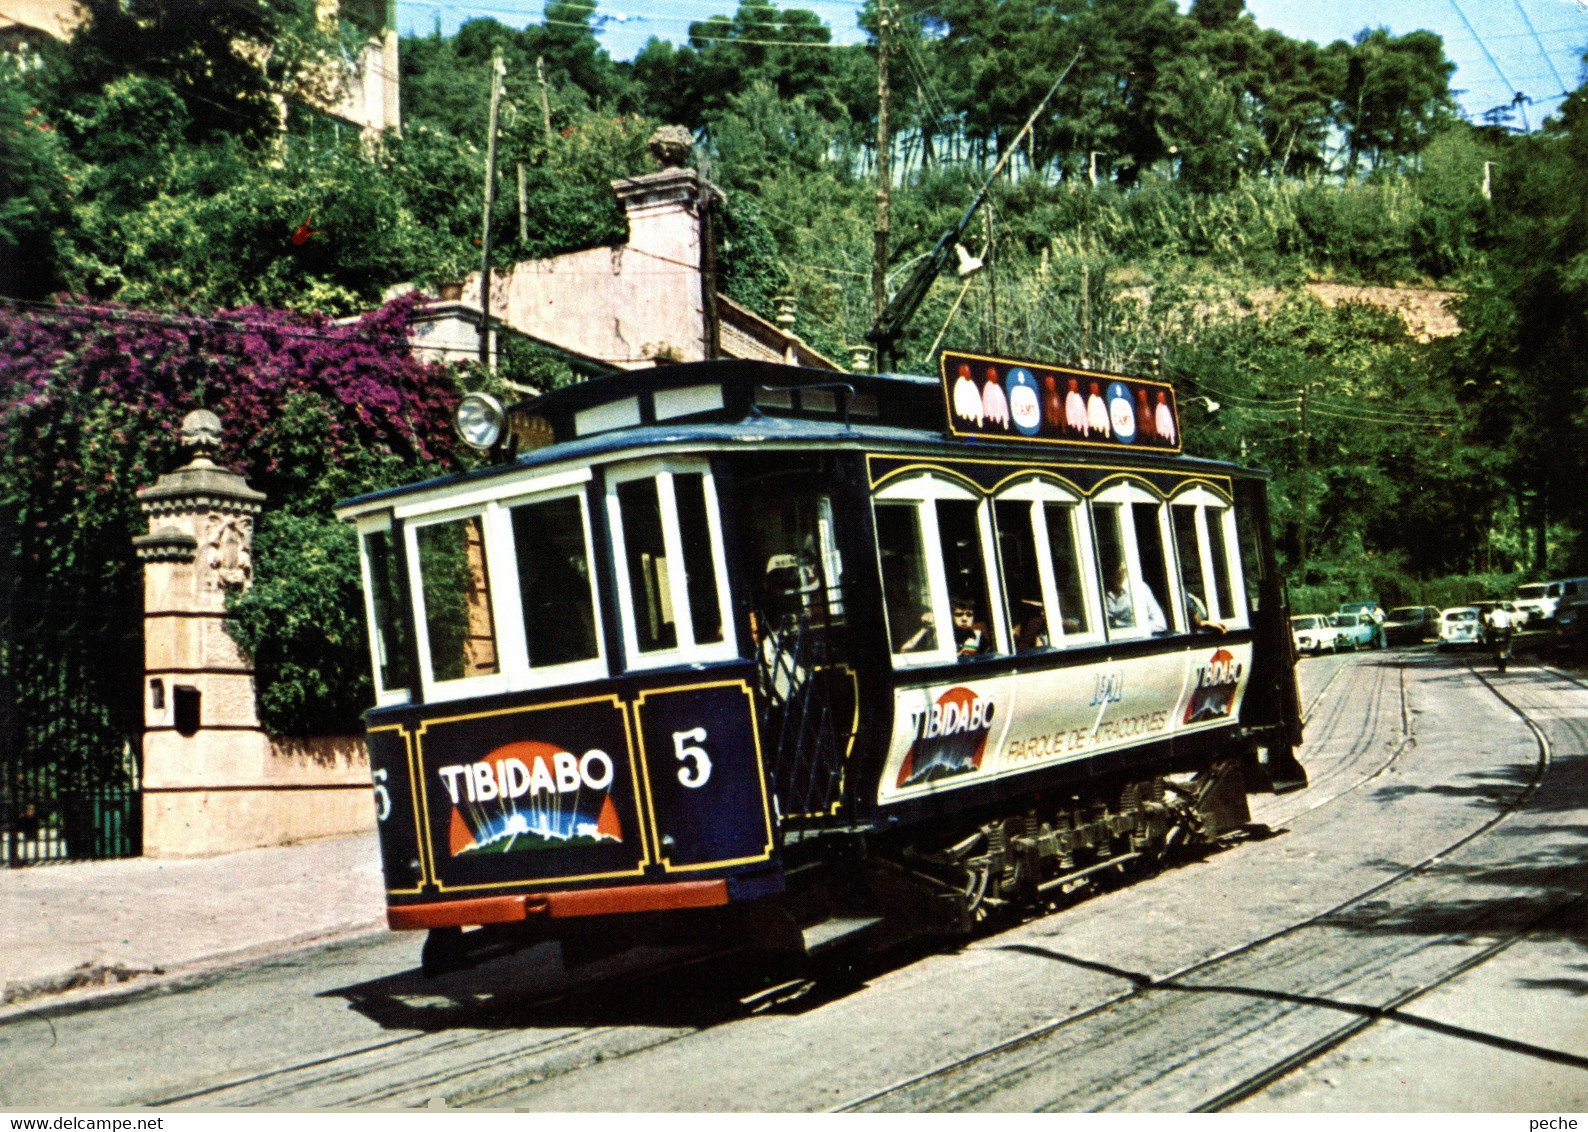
(1537, 45)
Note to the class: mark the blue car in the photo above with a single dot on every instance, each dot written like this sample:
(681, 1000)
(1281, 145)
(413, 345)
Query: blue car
(1352, 630)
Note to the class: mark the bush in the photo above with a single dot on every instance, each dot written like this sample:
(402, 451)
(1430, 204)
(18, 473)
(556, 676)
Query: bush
(89, 403)
(303, 624)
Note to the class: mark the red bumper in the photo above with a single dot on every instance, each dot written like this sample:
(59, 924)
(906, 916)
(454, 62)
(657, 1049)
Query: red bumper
(559, 905)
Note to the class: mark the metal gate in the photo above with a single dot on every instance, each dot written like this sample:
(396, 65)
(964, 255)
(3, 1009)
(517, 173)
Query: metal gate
(70, 726)
(809, 725)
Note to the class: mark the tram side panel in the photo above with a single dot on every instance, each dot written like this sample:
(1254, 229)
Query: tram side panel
(970, 732)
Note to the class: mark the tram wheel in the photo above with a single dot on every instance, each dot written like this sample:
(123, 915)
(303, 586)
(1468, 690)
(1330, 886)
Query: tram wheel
(442, 953)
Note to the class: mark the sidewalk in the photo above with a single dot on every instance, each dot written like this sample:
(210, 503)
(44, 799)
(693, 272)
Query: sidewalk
(99, 922)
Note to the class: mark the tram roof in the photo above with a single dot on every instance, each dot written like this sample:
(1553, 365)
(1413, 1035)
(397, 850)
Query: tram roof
(734, 405)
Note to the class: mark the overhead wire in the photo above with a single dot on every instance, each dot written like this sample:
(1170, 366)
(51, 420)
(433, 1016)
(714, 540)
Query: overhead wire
(1523, 13)
(1484, 46)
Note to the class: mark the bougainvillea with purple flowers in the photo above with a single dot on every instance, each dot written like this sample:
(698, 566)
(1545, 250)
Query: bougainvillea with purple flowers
(90, 402)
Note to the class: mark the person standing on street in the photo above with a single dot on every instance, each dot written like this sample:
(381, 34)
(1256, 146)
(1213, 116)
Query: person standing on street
(1379, 639)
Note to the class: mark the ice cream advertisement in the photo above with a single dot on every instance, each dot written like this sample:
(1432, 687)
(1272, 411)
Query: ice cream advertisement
(1029, 401)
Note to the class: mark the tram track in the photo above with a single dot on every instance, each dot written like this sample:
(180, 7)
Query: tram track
(1285, 811)
(403, 1070)
(482, 1068)
(332, 1080)
(1013, 1074)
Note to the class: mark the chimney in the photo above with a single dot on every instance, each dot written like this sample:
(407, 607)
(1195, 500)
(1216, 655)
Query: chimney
(664, 208)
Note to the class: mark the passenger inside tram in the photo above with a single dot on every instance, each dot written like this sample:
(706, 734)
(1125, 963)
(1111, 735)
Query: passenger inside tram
(1120, 608)
(971, 636)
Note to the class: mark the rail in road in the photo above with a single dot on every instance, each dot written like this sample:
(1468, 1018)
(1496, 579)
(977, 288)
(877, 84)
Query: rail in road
(1442, 827)
(1285, 991)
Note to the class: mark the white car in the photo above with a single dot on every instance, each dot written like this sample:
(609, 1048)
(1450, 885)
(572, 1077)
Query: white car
(1460, 625)
(1538, 601)
(1313, 633)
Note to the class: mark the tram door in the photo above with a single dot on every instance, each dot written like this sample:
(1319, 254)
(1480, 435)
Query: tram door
(799, 623)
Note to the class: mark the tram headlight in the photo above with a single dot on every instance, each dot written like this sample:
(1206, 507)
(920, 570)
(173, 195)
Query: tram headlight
(480, 421)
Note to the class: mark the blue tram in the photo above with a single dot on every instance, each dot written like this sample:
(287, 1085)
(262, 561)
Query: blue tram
(735, 651)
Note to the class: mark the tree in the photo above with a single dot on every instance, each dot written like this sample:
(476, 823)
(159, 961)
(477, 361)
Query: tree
(37, 179)
(228, 62)
(1396, 91)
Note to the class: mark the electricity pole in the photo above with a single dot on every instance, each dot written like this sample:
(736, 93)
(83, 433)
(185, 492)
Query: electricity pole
(545, 102)
(1306, 394)
(523, 207)
(498, 70)
(879, 239)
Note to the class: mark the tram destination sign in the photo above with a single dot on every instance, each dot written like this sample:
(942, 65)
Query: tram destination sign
(1030, 401)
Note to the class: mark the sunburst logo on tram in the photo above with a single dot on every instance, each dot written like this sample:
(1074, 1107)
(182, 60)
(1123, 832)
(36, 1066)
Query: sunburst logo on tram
(950, 737)
(1213, 693)
(530, 795)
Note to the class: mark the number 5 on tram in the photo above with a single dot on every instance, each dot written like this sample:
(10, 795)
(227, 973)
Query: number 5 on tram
(746, 653)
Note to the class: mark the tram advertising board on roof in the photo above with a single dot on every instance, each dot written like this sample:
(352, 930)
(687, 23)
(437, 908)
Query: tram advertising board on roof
(1049, 404)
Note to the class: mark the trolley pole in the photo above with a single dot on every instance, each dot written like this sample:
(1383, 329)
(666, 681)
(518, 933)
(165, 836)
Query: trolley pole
(498, 70)
(879, 238)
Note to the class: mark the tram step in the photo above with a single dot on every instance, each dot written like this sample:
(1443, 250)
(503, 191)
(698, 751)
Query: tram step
(820, 936)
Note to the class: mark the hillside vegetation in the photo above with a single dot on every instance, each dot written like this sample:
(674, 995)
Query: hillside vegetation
(1194, 172)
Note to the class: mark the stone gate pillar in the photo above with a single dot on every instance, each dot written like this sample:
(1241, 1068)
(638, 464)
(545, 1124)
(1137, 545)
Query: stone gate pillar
(213, 780)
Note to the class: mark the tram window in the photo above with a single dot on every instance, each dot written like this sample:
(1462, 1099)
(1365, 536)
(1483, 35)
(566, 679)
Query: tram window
(1062, 531)
(1249, 500)
(554, 581)
(1218, 550)
(1017, 552)
(1183, 518)
(1204, 528)
(667, 540)
(798, 572)
(389, 629)
(959, 532)
(1118, 585)
(1154, 561)
(906, 586)
(689, 492)
(645, 548)
(456, 594)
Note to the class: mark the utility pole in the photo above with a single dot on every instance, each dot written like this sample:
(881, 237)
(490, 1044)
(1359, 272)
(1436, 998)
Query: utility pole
(1306, 394)
(1086, 316)
(545, 101)
(879, 238)
(498, 70)
(523, 207)
(989, 253)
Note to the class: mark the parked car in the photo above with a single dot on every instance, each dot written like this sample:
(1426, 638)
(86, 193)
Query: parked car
(1541, 601)
(1411, 624)
(1460, 625)
(1484, 608)
(1312, 633)
(1353, 630)
(1363, 608)
(1571, 620)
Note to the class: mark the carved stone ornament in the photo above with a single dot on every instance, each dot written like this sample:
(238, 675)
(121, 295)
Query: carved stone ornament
(201, 434)
(671, 145)
(227, 551)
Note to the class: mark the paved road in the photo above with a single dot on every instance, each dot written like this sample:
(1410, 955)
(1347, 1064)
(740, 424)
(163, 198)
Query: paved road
(1412, 937)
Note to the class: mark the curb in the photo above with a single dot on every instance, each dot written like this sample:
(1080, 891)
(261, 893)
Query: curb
(101, 982)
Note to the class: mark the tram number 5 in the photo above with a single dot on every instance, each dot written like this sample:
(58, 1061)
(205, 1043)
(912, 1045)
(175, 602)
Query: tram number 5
(382, 795)
(697, 768)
